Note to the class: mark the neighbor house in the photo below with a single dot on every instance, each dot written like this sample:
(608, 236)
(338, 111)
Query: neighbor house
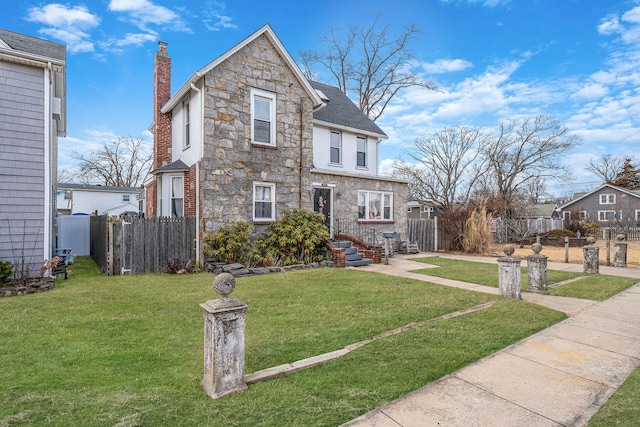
(32, 117)
(248, 136)
(98, 199)
(607, 205)
(418, 210)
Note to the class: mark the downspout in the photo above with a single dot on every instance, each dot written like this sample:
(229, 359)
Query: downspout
(48, 187)
(201, 116)
(300, 157)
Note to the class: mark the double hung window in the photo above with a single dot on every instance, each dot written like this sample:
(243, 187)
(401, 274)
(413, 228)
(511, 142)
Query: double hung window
(607, 199)
(335, 151)
(177, 196)
(264, 201)
(361, 153)
(263, 113)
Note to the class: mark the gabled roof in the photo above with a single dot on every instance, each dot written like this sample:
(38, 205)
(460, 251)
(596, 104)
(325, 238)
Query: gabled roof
(342, 112)
(582, 196)
(32, 46)
(540, 210)
(271, 35)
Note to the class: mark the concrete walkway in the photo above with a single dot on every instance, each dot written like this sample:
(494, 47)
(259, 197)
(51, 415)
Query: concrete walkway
(560, 376)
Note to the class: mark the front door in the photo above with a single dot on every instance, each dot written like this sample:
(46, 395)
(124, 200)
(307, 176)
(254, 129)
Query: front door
(322, 204)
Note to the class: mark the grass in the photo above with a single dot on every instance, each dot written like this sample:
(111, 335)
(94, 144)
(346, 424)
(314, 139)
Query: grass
(622, 409)
(596, 287)
(127, 351)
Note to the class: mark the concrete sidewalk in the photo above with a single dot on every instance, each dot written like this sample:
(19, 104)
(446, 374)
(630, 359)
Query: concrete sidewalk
(558, 377)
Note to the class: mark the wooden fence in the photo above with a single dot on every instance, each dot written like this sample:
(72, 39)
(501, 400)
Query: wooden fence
(142, 245)
(630, 233)
(428, 234)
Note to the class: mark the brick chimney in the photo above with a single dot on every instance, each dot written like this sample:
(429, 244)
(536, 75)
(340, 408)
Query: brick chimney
(161, 94)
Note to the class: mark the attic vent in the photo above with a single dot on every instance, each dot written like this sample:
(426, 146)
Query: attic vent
(322, 95)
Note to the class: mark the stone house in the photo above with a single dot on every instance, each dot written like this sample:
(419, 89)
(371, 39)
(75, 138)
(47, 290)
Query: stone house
(607, 205)
(32, 117)
(248, 136)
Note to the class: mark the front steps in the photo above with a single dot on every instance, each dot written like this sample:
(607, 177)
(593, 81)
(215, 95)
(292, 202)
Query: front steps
(352, 257)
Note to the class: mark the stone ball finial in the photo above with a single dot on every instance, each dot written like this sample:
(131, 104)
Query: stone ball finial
(620, 237)
(591, 240)
(224, 284)
(509, 250)
(536, 248)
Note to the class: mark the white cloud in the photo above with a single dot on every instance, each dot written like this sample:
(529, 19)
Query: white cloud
(592, 91)
(143, 13)
(215, 21)
(136, 39)
(488, 3)
(610, 25)
(447, 66)
(67, 24)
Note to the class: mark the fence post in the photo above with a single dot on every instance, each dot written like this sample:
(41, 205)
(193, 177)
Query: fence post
(509, 274)
(620, 252)
(109, 248)
(591, 262)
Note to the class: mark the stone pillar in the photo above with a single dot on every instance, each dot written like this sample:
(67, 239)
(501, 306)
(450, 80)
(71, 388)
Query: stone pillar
(620, 252)
(509, 274)
(224, 326)
(536, 270)
(591, 261)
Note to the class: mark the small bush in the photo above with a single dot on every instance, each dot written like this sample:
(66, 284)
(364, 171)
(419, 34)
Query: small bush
(6, 270)
(561, 233)
(229, 244)
(477, 236)
(179, 267)
(300, 236)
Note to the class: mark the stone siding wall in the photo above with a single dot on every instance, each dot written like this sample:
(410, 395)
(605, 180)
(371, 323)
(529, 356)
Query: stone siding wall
(231, 163)
(345, 206)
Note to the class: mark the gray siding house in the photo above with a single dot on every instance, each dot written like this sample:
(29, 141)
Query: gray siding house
(32, 117)
(607, 205)
(248, 136)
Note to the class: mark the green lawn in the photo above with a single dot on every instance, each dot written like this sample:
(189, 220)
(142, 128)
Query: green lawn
(622, 409)
(596, 287)
(127, 351)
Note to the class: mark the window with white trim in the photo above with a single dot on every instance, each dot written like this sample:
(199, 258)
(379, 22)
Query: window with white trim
(264, 201)
(126, 198)
(361, 153)
(186, 111)
(263, 117)
(177, 196)
(583, 214)
(375, 206)
(637, 215)
(335, 150)
(607, 199)
(606, 216)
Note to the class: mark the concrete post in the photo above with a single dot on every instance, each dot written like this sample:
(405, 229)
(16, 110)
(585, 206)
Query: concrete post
(620, 252)
(536, 270)
(509, 274)
(591, 261)
(224, 326)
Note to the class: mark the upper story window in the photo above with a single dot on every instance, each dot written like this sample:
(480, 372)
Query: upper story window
(264, 201)
(607, 199)
(186, 111)
(126, 198)
(263, 117)
(177, 196)
(375, 206)
(335, 153)
(361, 154)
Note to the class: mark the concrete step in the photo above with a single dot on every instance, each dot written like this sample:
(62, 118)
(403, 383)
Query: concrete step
(342, 243)
(353, 257)
(359, 263)
(350, 251)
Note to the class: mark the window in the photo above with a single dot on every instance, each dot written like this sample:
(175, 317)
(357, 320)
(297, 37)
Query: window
(264, 201)
(126, 198)
(177, 198)
(606, 215)
(566, 215)
(263, 115)
(187, 123)
(375, 206)
(335, 152)
(607, 199)
(583, 214)
(361, 154)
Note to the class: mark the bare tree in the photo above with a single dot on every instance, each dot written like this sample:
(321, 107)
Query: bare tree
(367, 64)
(607, 167)
(64, 175)
(526, 150)
(124, 161)
(535, 190)
(448, 164)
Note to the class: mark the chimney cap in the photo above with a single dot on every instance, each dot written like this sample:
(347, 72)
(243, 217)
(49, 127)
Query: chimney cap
(163, 46)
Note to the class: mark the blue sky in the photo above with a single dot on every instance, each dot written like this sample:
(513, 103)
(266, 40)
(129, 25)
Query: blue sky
(493, 60)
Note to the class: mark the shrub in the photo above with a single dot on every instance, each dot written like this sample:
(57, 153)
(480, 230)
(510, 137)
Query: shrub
(561, 233)
(477, 236)
(298, 236)
(229, 244)
(6, 270)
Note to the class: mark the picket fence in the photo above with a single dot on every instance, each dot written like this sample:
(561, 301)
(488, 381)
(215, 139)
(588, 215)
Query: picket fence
(141, 245)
